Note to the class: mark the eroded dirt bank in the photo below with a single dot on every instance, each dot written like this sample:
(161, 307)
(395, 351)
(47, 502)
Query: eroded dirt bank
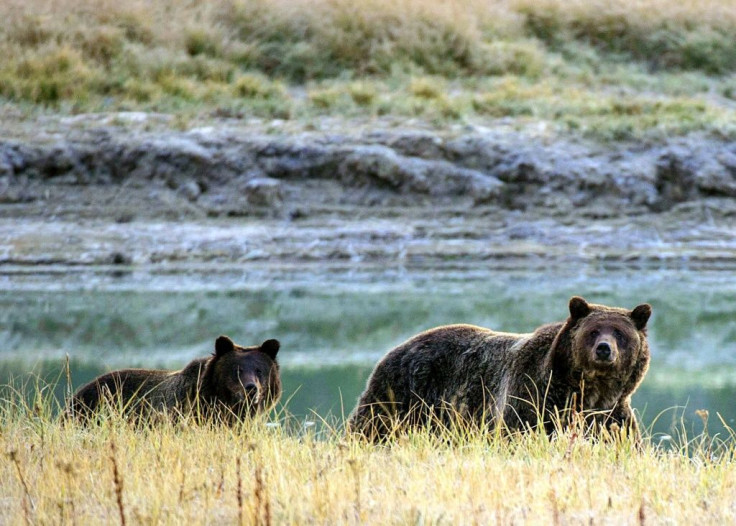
(88, 191)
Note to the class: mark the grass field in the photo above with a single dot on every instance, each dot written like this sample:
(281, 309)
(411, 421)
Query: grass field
(290, 473)
(610, 70)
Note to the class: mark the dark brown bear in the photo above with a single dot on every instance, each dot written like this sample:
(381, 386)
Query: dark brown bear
(234, 382)
(591, 363)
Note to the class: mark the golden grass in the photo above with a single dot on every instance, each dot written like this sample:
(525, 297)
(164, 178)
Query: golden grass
(258, 57)
(261, 473)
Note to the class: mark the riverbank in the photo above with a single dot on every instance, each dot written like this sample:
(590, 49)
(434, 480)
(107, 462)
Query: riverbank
(126, 189)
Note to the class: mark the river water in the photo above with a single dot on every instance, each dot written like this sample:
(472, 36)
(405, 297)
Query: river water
(335, 322)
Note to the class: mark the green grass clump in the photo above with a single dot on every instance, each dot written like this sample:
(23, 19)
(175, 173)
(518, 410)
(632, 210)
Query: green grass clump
(317, 40)
(257, 87)
(690, 35)
(363, 93)
(201, 41)
(50, 75)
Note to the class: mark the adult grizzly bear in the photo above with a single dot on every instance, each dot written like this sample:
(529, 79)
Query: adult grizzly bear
(234, 382)
(591, 362)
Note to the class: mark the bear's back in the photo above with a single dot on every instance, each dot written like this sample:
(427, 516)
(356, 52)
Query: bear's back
(439, 363)
(119, 387)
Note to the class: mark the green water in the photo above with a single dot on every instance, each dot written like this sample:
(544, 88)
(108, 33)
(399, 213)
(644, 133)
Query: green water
(335, 323)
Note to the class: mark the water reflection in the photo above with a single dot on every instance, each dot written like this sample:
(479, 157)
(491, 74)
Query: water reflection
(335, 323)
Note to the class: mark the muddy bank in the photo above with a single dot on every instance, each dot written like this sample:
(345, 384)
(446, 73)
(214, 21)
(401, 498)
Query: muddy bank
(88, 191)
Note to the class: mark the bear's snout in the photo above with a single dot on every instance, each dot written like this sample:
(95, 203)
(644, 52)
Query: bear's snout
(603, 351)
(251, 392)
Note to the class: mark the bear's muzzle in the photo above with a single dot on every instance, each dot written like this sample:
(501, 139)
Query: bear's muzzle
(603, 351)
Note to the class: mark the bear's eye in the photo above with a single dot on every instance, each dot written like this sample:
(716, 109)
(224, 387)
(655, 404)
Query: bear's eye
(619, 335)
(595, 333)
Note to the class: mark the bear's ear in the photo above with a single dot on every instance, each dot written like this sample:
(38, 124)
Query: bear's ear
(579, 308)
(640, 315)
(271, 348)
(223, 345)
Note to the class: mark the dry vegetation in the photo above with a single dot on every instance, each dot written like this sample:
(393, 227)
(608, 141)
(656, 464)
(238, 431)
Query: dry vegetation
(612, 69)
(264, 473)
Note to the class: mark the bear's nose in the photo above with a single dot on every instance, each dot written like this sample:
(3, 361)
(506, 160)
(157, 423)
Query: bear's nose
(603, 351)
(251, 389)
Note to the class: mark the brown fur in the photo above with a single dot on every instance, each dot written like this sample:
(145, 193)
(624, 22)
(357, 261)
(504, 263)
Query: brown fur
(482, 376)
(234, 382)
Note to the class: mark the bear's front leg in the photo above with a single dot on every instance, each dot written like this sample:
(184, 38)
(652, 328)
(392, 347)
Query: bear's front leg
(622, 418)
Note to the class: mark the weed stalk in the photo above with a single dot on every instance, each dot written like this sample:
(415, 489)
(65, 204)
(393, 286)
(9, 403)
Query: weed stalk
(118, 480)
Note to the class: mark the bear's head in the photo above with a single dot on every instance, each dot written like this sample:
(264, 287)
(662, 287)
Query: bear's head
(608, 341)
(245, 379)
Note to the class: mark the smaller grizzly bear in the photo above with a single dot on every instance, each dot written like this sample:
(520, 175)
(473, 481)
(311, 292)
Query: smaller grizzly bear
(589, 364)
(234, 382)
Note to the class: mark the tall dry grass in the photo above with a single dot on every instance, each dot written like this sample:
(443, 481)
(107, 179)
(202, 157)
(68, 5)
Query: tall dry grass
(261, 473)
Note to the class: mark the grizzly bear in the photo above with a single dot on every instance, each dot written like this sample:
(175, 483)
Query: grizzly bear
(589, 364)
(234, 382)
